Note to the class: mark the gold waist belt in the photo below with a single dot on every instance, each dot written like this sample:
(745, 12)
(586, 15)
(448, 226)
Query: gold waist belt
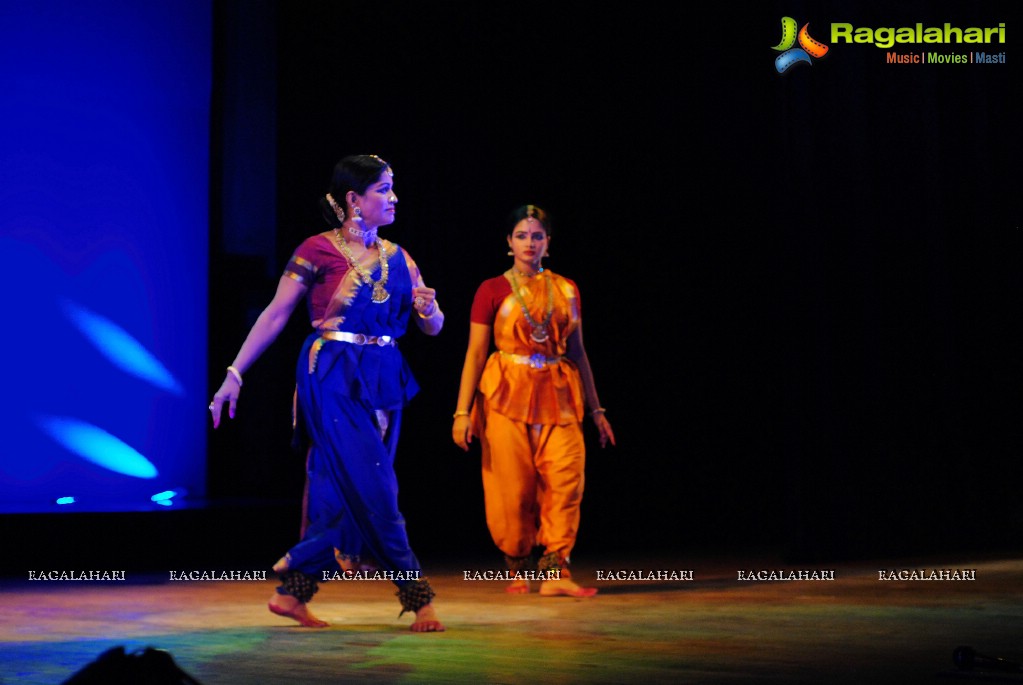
(345, 336)
(537, 361)
(360, 338)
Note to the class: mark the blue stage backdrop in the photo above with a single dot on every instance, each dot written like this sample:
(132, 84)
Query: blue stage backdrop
(104, 168)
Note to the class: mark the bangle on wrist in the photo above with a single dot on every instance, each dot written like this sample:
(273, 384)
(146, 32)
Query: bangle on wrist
(431, 314)
(598, 410)
(236, 374)
(460, 412)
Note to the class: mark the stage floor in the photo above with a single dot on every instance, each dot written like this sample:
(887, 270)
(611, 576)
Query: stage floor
(714, 628)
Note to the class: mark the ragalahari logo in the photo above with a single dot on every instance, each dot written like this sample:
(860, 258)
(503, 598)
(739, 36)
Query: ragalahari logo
(808, 50)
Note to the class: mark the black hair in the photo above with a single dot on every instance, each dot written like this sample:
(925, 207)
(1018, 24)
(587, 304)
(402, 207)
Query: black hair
(355, 172)
(526, 211)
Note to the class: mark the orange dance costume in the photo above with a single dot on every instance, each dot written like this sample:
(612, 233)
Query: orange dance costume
(528, 413)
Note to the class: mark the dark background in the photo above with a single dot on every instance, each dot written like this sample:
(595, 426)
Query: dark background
(800, 290)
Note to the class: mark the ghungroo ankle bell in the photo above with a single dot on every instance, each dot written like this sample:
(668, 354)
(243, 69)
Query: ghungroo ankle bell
(299, 585)
(415, 595)
(552, 561)
(526, 563)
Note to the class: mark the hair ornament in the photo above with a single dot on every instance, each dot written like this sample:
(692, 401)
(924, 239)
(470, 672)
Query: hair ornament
(387, 167)
(338, 212)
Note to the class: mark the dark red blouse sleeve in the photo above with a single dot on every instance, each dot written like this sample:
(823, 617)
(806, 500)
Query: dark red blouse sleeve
(302, 265)
(488, 298)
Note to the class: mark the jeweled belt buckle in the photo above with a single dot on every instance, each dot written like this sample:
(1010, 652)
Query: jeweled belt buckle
(359, 339)
(538, 361)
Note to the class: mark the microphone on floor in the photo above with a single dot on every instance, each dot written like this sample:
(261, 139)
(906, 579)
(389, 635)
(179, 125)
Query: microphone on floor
(965, 658)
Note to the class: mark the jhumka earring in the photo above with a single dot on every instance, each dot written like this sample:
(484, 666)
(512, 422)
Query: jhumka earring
(357, 217)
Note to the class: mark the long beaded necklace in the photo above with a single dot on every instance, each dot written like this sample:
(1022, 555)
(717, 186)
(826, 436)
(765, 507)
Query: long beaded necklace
(538, 331)
(380, 294)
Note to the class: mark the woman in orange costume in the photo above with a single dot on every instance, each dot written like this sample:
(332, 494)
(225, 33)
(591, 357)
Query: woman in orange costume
(526, 402)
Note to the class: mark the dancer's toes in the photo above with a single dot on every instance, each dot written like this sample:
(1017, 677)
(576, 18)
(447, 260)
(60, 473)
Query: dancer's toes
(427, 627)
(518, 587)
(427, 621)
(565, 588)
(289, 607)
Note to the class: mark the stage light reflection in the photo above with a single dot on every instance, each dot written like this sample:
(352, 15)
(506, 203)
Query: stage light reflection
(104, 218)
(96, 445)
(121, 348)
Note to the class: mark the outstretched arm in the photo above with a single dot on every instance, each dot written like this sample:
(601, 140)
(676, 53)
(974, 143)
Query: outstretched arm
(576, 351)
(472, 369)
(266, 329)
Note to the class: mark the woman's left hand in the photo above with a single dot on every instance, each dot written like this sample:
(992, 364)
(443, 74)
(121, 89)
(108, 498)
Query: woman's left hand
(604, 426)
(462, 432)
(424, 299)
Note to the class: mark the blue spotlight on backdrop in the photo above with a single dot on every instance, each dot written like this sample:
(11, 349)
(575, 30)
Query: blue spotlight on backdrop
(120, 348)
(96, 445)
(104, 157)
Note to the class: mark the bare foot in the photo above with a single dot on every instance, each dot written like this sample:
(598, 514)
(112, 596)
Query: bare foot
(289, 607)
(281, 566)
(427, 621)
(518, 587)
(565, 587)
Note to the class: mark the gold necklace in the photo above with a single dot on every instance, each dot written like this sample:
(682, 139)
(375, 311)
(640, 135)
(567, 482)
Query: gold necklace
(538, 331)
(380, 294)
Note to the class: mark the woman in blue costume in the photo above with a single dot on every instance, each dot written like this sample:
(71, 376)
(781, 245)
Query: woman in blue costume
(352, 383)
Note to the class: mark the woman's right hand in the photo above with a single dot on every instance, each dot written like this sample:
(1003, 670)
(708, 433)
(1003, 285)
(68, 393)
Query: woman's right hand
(461, 432)
(228, 393)
(268, 326)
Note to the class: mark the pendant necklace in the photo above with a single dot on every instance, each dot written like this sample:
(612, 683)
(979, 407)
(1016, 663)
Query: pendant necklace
(380, 294)
(538, 332)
